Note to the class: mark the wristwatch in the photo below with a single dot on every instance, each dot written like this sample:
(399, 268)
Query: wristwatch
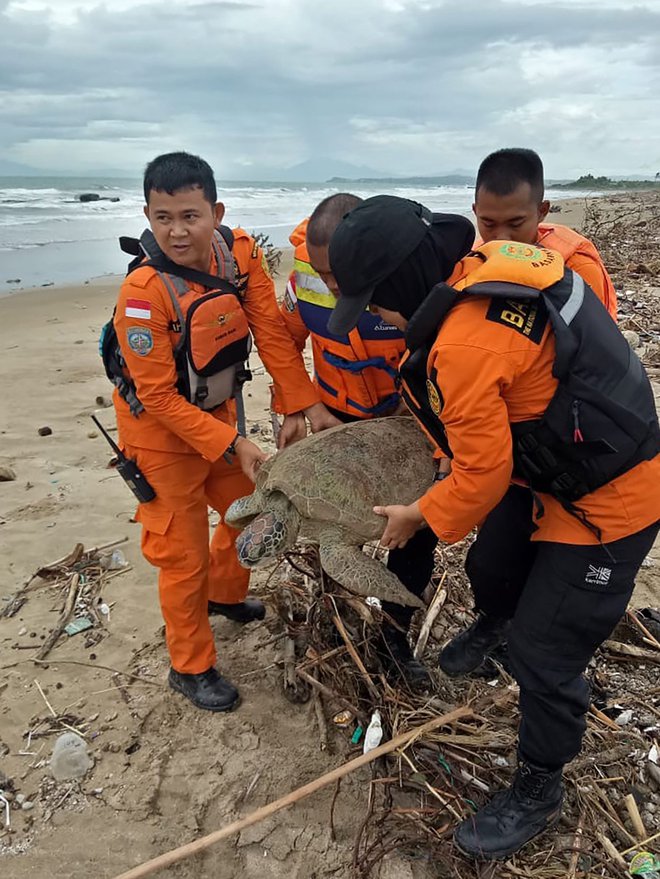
(231, 448)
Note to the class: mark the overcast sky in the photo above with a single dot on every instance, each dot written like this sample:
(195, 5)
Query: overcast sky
(402, 86)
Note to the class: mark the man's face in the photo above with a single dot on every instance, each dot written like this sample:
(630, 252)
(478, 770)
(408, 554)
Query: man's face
(513, 217)
(183, 225)
(320, 262)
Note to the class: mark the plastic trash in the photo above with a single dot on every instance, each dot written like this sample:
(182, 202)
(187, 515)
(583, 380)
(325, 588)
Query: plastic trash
(645, 864)
(70, 758)
(373, 601)
(115, 561)
(80, 624)
(374, 733)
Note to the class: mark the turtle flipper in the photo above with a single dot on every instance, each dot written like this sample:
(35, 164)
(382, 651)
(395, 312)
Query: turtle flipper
(359, 573)
(244, 509)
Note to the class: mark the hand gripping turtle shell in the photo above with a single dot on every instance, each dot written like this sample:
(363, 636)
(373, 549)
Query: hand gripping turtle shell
(323, 489)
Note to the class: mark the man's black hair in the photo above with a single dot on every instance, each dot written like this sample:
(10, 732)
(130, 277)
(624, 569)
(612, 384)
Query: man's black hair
(327, 215)
(172, 172)
(504, 170)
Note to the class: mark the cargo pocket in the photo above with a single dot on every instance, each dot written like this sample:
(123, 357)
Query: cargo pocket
(157, 548)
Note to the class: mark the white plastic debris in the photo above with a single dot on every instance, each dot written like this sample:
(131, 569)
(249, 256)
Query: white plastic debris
(372, 601)
(70, 757)
(374, 733)
(624, 718)
(115, 561)
(654, 755)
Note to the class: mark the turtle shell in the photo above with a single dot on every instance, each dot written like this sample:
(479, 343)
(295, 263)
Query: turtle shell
(338, 475)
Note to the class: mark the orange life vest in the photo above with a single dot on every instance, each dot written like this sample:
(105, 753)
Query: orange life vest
(357, 373)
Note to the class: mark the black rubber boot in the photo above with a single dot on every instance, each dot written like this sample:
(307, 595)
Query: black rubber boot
(208, 690)
(513, 817)
(468, 650)
(399, 661)
(244, 612)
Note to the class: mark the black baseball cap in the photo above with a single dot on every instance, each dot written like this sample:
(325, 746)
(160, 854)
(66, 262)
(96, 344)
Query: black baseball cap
(369, 244)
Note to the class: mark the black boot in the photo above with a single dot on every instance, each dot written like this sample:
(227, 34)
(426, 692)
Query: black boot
(399, 661)
(243, 612)
(513, 817)
(208, 690)
(467, 651)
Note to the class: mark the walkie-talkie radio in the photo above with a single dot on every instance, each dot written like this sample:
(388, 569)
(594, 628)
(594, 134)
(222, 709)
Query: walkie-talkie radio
(128, 469)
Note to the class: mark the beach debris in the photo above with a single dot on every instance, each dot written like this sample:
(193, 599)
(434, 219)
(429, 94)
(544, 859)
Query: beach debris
(45, 431)
(6, 473)
(92, 434)
(13, 281)
(80, 624)
(374, 734)
(632, 338)
(645, 864)
(103, 402)
(70, 758)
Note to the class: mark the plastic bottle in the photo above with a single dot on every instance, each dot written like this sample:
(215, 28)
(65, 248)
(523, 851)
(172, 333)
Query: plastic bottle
(374, 733)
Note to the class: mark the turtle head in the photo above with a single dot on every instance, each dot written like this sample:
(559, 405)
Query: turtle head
(270, 532)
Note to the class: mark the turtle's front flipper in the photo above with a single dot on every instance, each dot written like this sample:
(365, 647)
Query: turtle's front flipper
(359, 573)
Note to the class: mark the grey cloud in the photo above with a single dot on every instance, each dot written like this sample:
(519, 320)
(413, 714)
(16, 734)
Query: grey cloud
(246, 77)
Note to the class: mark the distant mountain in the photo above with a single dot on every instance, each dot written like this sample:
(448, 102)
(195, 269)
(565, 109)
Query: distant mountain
(16, 169)
(322, 169)
(443, 180)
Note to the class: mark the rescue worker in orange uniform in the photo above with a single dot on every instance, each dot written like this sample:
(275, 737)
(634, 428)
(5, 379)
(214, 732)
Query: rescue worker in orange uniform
(194, 457)
(515, 368)
(509, 204)
(356, 375)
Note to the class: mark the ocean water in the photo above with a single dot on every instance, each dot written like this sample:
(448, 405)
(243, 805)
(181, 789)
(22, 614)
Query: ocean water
(48, 236)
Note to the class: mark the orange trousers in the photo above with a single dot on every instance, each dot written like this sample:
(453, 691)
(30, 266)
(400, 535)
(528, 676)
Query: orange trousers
(175, 539)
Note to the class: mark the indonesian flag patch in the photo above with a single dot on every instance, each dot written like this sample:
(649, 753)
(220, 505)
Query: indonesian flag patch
(138, 308)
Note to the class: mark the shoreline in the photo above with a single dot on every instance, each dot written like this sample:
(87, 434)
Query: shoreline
(572, 214)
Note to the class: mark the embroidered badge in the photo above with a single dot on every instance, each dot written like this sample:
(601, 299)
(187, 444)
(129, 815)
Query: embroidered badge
(290, 298)
(140, 308)
(434, 397)
(140, 340)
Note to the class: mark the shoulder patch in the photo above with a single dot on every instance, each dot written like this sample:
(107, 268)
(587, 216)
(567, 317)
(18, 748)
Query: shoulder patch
(140, 340)
(529, 319)
(255, 251)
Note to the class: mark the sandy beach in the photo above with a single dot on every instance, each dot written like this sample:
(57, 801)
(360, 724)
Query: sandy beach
(164, 773)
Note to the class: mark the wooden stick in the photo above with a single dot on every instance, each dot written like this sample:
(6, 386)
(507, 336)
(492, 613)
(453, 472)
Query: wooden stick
(632, 616)
(638, 825)
(630, 650)
(577, 848)
(603, 718)
(330, 694)
(611, 850)
(69, 604)
(642, 843)
(341, 628)
(434, 609)
(192, 848)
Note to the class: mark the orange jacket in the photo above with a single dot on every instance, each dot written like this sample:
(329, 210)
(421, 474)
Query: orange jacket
(170, 423)
(582, 256)
(355, 374)
(489, 371)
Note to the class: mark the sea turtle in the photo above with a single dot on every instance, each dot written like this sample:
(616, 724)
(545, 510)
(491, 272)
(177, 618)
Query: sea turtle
(323, 489)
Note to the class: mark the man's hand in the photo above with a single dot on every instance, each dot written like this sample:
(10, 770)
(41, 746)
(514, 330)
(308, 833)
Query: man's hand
(402, 523)
(294, 428)
(320, 418)
(249, 456)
